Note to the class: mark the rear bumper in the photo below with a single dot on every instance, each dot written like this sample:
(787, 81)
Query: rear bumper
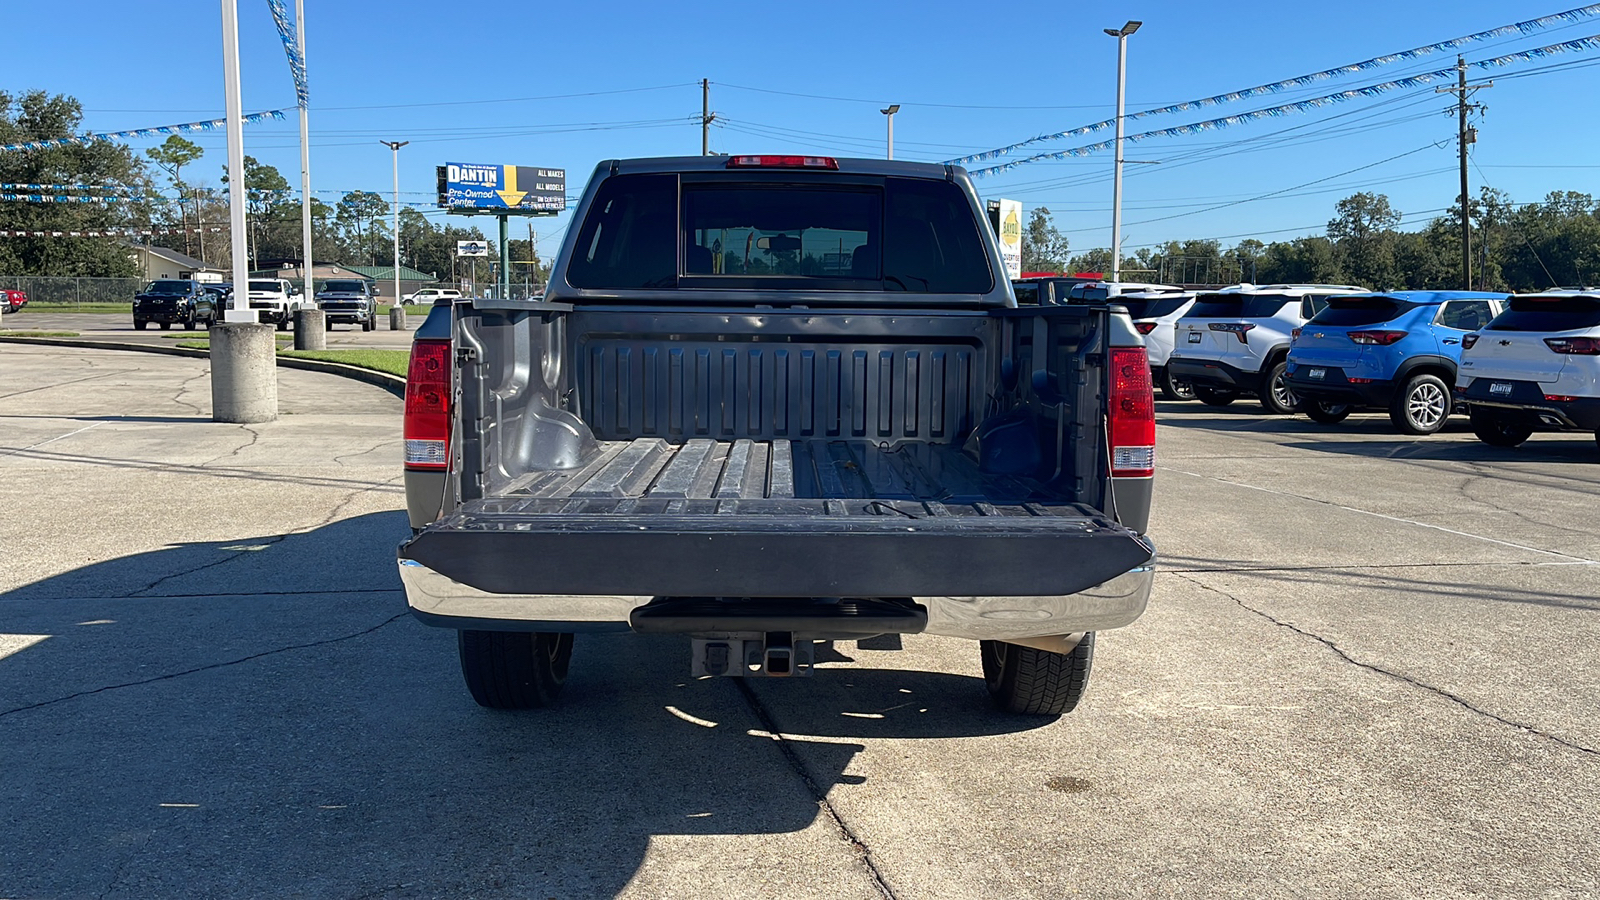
(1527, 401)
(1335, 386)
(1215, 374)
(437, 600)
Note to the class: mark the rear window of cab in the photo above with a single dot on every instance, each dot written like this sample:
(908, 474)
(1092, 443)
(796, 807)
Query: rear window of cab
(1353, 311)
(1239, 306)
(816, 234)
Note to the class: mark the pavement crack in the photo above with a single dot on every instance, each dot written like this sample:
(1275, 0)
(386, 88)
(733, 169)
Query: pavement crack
(340, 459)
(183, 388)
(817, 793)
(1390, 673)
(255, 438)
(207, 668)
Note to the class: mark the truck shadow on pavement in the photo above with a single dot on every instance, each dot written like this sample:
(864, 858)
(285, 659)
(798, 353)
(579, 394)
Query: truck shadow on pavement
(207, 720)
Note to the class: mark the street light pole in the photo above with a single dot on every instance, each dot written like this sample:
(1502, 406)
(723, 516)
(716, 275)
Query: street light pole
(1121, 34)
(893, 108)
(395, 146)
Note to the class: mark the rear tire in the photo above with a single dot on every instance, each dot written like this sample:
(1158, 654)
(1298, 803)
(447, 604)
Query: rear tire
(1036, 682)
(1214, 396)
(1276, 395)
(1498, 431)
(514, 669)
(140, 324)
(1421, 406)
(1325, 412)
(166, 326)
(1172, 389)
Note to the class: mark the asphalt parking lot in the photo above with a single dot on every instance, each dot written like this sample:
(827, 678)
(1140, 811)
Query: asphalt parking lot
(1367, 671)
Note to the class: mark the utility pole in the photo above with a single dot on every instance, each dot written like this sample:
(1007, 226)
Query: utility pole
(1466, 135)
(706, 118)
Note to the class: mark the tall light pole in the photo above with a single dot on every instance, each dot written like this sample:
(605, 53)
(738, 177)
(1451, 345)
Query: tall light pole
(395, 146)
(1121, 34)
(306, 261)
(893, 108)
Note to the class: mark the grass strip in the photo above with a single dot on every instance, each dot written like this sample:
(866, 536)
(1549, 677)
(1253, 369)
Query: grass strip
(392, 361)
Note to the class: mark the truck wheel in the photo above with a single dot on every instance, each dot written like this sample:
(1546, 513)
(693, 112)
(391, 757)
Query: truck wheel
(1498, 431)
(1211, 396)
(140, 324)
(327, 324)
(1422, 406)
(514, 669)
(1036, 682)
(1276, 395)
(1325, 412)
(1172, 389)
(166, 326)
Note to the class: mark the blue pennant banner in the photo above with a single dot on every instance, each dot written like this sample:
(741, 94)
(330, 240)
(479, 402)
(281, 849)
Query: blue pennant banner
(107, 232)
(1372, 90)
(1528, 27)
(64, 198)
(108, 188)
(137, 133)
(291, 47)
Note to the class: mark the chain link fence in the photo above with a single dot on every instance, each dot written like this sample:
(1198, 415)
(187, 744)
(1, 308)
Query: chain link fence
(67, 292)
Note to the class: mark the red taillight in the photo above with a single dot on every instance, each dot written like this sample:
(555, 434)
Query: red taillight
(427, 419)
(1469, 340)
(1294, 335)
(1359, 380)
(1145, 327)
(1381, 338)
(1578, 346)
(1240, 330)
(1560, 398)
(1133, 414)
(782, 162)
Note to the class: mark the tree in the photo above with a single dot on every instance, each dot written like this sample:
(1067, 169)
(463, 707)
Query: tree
(1096, 260)
(1363, 232)
(171, 157)
(37, 115)
(1307, 260)
(360, 216)
(1044, 249)
(270, 206)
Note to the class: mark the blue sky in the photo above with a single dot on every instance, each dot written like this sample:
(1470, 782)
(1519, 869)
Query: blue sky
(456, 79)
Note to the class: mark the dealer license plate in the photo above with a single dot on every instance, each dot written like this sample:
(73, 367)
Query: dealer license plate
(1194, 337)
(1499, 387)
(1316, 373)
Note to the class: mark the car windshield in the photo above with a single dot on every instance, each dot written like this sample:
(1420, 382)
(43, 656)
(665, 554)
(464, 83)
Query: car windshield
(167, 287)
(349, 287)
(1352, 311)
(265, 286)
(1549, 314)
(883, 234)
(1239, 306)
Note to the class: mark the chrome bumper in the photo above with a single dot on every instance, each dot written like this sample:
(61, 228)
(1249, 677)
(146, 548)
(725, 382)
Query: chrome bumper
(438, 600)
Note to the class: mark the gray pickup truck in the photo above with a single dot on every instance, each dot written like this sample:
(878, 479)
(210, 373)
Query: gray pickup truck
(768, 401)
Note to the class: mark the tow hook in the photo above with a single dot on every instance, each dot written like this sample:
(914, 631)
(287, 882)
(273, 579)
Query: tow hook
(754, 654)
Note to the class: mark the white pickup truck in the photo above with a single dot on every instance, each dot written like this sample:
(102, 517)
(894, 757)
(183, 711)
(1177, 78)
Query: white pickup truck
(277, 300)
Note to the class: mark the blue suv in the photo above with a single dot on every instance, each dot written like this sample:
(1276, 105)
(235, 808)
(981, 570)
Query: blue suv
(1397, 350)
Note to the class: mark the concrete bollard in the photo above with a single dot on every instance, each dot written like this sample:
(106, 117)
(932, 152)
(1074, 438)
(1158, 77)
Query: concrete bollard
(310, 330)
(244, 373)
(397, 318)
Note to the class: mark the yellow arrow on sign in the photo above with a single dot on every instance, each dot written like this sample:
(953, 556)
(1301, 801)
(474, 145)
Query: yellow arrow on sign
(511, 196)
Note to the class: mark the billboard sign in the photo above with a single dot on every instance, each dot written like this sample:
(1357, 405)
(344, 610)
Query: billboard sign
(472, 248)
(482, 189)
(1010, 234)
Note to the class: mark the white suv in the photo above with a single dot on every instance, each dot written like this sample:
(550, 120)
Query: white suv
(277, 300)
(1235, 341)
(1536, 364)
(428, 295)
(1155, 314)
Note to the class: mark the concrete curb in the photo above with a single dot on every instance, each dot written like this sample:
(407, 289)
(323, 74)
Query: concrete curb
(394, 384)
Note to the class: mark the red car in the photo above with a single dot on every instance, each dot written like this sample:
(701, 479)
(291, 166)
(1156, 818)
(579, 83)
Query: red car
(11, 301)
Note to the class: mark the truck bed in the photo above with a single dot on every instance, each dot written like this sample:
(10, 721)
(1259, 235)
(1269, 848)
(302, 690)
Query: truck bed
(753, 518)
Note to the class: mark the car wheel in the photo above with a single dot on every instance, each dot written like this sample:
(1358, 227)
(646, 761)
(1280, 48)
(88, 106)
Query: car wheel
(1276, 395)
(1325, 412)
(166, 326)
(1422, 406)
(1211, 396)
(1172, 389)
(1497, 430)
(1036, 682)
(140, 324)
(514, 669)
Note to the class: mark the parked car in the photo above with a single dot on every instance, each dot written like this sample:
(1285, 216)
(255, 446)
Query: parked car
(348, 300)
(429, 295)
(276, 299)
(214, 300)
(848, 430)
(1397, 351)
(1236, 341)
(167, 302)
(1536, 365)
(12, 300)
(1155, 315)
